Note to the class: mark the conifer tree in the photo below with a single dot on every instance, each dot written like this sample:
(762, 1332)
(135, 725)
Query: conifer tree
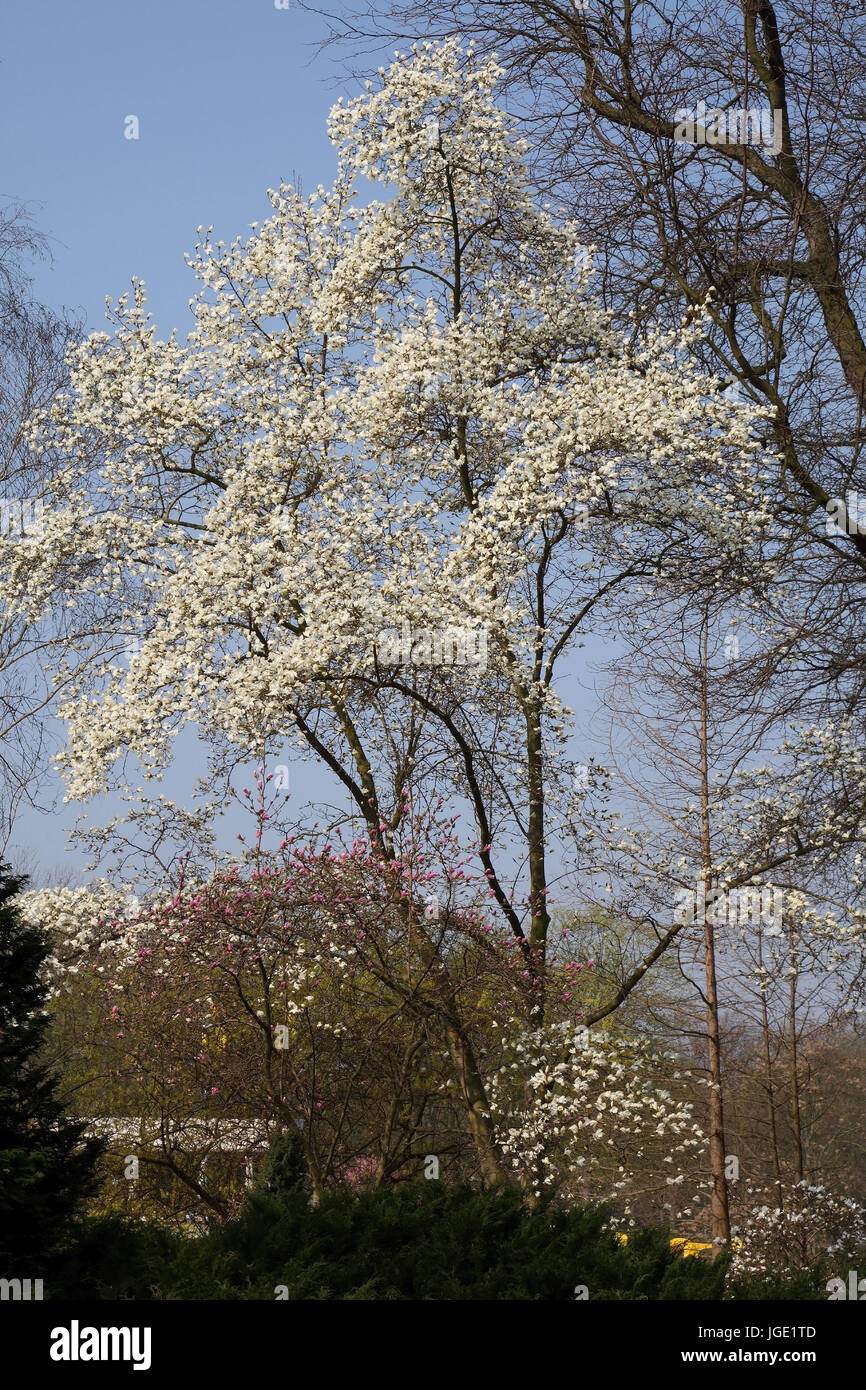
(46, 1163)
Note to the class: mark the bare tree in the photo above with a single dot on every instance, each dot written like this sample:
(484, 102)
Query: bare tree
(32, 344)
(690, 714)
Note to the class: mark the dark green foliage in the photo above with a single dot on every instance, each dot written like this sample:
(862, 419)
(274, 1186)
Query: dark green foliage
(46, 1163)
(426, 1241)
(113, 1257)
(794, 1284)
(423, 1241)
(285, 1171)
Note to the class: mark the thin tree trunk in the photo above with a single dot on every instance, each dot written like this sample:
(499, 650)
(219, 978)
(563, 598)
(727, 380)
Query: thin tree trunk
(469, 1079)
(540, 916)
(770, 1090)
(796, 1117)
(477, 1108)
(720, 1213)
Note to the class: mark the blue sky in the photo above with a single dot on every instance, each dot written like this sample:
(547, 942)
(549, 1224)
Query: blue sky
(230, 99)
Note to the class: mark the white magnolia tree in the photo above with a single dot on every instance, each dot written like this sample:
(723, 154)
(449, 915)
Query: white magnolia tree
(590, 1113)
(395, 414)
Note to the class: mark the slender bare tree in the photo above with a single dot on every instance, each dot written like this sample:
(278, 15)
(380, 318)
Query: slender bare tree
(33, 339)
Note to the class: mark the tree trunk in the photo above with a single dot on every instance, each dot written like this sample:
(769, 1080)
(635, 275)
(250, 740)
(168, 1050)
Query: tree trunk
(771, 1091)
(721, 1220)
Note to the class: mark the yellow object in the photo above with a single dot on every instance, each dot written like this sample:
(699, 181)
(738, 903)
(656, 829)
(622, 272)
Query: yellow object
(684, 1245)
(690, 1247)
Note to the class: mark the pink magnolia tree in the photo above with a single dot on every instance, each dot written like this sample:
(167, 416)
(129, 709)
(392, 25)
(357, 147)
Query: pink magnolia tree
(342, 991)
(367, 999)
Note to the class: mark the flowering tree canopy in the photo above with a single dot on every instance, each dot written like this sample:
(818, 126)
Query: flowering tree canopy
(400, 414)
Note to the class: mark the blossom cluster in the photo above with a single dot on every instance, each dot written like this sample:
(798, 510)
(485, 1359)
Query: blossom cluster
(83, 923)
(575, 1106)
(797, 1225)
